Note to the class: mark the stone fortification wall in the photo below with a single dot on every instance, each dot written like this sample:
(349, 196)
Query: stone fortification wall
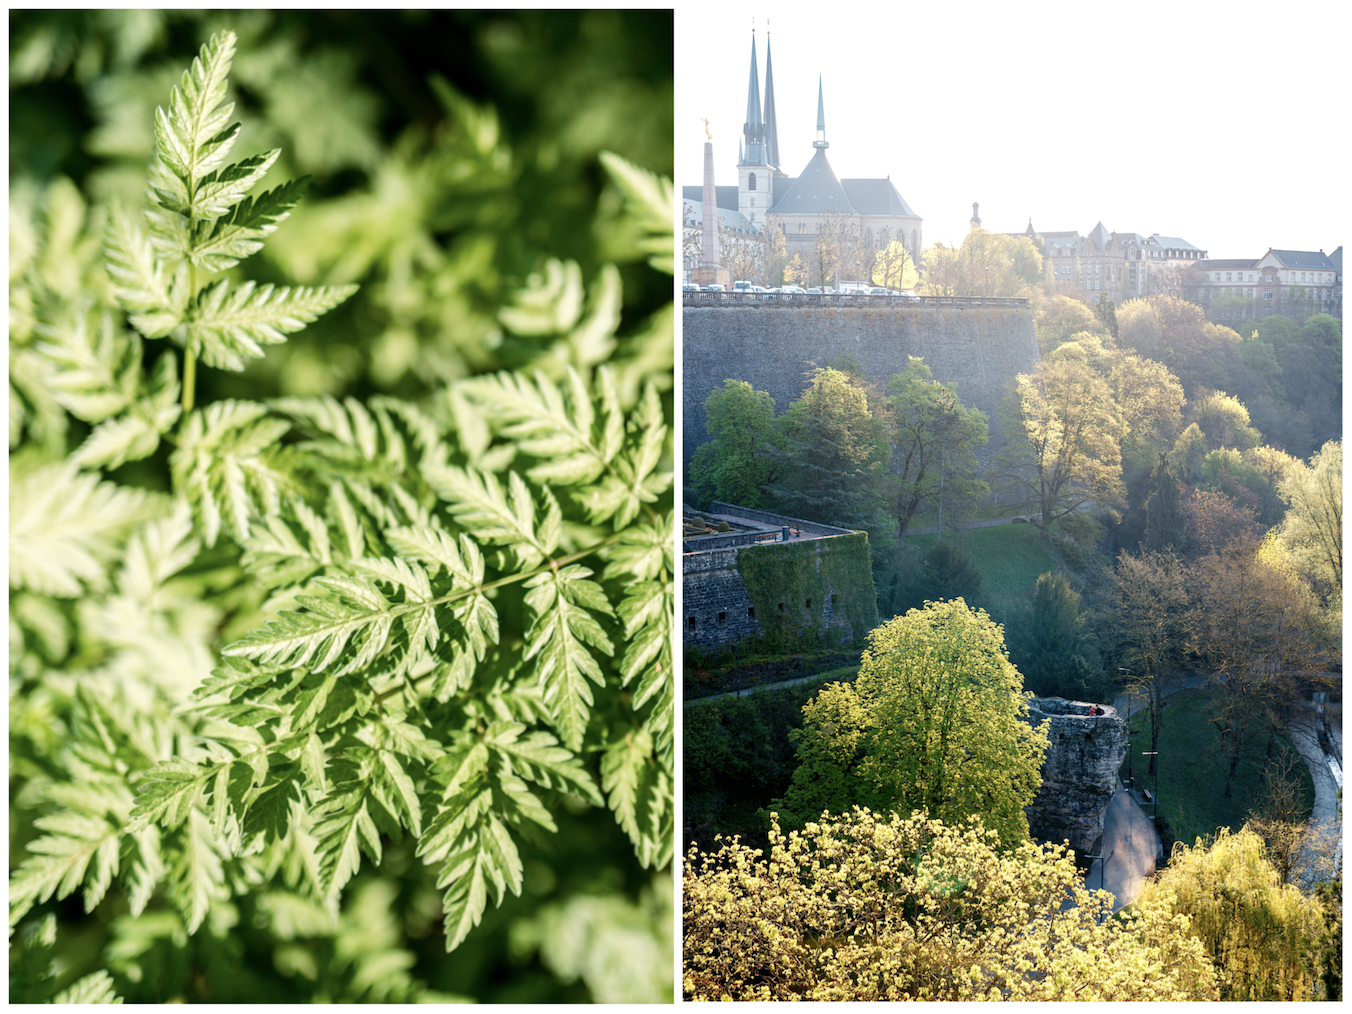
(821, 585)
(1079, 773)
(980, 349)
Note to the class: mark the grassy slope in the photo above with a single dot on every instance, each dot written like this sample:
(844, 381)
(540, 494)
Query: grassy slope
(1192, 771)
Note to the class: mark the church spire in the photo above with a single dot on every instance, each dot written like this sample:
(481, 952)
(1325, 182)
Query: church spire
(754, 128)
(771, 128)
(821, 141)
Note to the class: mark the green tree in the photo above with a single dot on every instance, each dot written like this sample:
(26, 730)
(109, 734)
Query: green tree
(1166, 526)
(1049, 645)
(1057, 317)
(735, 463)
(1106, 311)
(1312, 531)
(934, 443)
(1146, 629)
(936, 720)
(1262, 936)
(832, 456)
(1063, 450)
(945, 571)
(1224, 421)
(906, 907)
(1256, 629)
(1149, 402)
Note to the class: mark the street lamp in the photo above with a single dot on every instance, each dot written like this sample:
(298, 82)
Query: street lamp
(1156, 818)
(1130, 777)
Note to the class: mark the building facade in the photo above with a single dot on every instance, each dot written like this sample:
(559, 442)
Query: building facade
(1125, 265)
(1289, 283)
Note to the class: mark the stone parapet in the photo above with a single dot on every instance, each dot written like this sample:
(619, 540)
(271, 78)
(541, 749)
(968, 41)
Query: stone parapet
(1079, 773)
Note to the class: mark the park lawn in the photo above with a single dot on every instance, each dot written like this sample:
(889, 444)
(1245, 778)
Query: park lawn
(1192, 770)
(1011, 558)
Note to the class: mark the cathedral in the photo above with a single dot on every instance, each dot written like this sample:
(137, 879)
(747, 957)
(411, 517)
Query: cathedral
(869, 211)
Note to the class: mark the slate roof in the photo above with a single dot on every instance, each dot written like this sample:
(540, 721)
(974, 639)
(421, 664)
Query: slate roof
(1099, 237)
(693, 211)
(1223, 265)
(876, 197)
(724, 197)
(816, 191)
(1336, 259)
(1305, 259)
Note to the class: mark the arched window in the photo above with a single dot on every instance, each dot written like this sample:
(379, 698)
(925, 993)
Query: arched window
(751, 182)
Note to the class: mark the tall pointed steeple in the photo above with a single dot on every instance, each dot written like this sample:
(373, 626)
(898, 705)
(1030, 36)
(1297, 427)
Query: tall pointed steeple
(753, 130)
(821, 141)
(771, 128)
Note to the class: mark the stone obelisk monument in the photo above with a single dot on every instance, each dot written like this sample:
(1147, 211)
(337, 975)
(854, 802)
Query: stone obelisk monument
(710, 271)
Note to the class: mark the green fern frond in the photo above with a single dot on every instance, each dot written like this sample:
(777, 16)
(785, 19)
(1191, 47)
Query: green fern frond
(147, 288)
(651, 200)
(561, 604)
(192, 139)
(66, 526)
(232, 323)
(97, 987)
(222, 244)
(228, 467)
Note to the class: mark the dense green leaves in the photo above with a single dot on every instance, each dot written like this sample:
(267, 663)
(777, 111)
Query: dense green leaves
(356, 641)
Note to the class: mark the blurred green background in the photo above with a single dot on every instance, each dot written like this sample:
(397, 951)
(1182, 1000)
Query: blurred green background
(454, 158)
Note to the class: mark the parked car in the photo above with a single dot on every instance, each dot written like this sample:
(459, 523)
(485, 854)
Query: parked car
(797, 290)
(689, 287)
(741, 286)
(716, 287)
(909, 295)
(814, 291)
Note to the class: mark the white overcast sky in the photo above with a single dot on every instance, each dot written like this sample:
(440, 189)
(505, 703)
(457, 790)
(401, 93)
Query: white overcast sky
(1222, 123)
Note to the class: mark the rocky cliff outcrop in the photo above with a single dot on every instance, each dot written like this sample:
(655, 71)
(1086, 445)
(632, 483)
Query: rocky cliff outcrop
(1079, 774)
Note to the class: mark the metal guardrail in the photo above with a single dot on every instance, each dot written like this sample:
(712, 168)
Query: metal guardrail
(741, 297)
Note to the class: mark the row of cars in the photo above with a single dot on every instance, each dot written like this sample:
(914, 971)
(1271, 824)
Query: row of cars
(846, 289)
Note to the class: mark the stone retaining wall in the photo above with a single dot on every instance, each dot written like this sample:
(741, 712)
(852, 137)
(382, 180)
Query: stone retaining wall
(980, 349)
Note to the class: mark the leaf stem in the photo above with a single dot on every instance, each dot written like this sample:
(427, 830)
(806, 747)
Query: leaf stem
(189, 353)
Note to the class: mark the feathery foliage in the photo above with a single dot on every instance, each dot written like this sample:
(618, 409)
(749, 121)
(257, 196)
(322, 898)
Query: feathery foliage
(347, 633)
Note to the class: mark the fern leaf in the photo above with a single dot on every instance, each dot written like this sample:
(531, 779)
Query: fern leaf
(231, 324)
(650, 199)
(639, 791)
(96, 987)
(168, 793)
(537, 417)
(478, 501)
(541, 759)
(65, 526)
(143, 286)
(486, 861)
(355, 624)
(137, 434)
(341, 835)
(78, 845)
(225, 242)
(93, 368)
(192, 139)
(225, 466)
(196, 875)
(222, 189)
(560, 628)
